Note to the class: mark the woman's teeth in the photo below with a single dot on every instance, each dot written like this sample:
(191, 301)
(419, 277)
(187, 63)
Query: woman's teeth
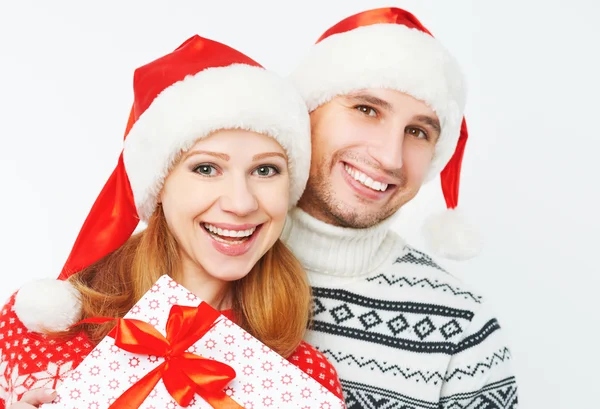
(225, 236)
(365, 180)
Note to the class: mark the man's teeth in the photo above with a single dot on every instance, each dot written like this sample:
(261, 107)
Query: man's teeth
(365, 180)
(229, 233)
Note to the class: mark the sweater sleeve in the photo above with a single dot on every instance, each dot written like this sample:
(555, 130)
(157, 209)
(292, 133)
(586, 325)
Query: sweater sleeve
(8, 327)
(479, 373)
(314, 363)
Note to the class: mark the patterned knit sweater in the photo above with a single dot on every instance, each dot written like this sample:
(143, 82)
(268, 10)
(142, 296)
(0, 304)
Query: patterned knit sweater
(400, 330)
(31, 360)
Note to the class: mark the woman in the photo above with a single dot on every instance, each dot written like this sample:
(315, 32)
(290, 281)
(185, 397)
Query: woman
(216, 151)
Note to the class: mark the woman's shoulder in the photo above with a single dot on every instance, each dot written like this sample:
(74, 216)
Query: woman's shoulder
(25, 319)
(31, 360)
(46, 305)
(315, 364)
(18, 339)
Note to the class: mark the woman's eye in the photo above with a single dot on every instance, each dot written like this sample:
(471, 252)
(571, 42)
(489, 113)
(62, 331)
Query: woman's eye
(367, 110)
(417, 132)
(266, 171)
(206, 170)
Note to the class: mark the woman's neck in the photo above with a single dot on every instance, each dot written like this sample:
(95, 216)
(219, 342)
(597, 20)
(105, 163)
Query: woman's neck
(213, 291)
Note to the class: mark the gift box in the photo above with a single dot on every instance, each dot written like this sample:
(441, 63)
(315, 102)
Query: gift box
(172, 350)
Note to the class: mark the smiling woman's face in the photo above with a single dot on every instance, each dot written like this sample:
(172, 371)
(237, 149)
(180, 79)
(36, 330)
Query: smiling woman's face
(226, 201)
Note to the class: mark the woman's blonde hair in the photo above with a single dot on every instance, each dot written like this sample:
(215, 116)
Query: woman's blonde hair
(272, 302)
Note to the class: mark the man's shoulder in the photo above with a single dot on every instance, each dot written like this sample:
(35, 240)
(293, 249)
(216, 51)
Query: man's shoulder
(417, 276)
(411, 273)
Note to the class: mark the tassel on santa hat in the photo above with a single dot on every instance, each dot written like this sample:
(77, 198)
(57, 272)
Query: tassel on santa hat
(390, 48)
(447, 232)
(186, 95)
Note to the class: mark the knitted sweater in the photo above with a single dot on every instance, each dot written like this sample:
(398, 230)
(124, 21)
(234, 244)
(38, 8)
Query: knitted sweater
(400, 330)
(31, 360)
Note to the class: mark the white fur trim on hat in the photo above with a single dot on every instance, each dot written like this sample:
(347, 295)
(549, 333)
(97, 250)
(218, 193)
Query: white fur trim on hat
(234, 97)
(48, 305)
(389, 56)
(449, 235)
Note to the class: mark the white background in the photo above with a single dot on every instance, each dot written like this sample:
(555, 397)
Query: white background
(529, 177)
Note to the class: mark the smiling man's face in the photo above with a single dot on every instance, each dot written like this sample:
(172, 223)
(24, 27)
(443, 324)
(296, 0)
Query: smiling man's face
(371, 151)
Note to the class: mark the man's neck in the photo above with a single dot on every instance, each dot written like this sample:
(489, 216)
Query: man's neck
(332, 250)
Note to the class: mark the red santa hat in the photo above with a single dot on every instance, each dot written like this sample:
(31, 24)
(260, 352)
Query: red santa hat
(390, 48)
(201, 87)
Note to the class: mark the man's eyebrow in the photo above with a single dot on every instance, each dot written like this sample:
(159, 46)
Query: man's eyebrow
(365, 98)
(432, 122)
(371, 100)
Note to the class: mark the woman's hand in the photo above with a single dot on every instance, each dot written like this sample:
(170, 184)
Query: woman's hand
(34, 398)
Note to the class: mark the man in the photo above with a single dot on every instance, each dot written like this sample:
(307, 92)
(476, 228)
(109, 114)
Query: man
(386, 102)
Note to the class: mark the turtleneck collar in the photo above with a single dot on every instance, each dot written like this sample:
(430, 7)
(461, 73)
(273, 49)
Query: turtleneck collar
(332, 250)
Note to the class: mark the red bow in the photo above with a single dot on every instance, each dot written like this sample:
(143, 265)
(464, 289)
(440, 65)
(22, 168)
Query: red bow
(183, 374)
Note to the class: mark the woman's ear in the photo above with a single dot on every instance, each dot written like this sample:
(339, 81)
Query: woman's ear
(159, 196)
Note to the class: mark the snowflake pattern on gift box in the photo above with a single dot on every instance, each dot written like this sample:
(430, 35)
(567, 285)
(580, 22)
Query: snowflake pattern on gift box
(76, 375)
(286, 397)
(114, 384)
(267, 366)
(264, 379)
(248, 388)
(267, 383)
(229, 356)
(210, 344)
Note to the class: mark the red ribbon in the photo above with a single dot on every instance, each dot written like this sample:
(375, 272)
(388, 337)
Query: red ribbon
(183, 374)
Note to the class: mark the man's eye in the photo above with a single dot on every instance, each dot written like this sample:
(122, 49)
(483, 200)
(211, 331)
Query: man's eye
(367, 110)
(417, 132)
(266, 171)
(206, 170)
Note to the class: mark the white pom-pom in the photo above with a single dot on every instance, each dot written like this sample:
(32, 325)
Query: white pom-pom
(450, 236)
(48, 305)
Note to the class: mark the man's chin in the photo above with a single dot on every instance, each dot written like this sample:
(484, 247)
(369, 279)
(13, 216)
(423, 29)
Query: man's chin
(347, 211)
(355, 216)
